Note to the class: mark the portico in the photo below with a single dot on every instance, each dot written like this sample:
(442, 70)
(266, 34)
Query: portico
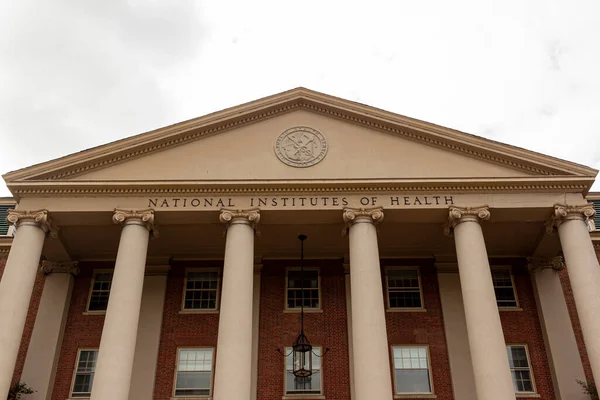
(193, 194)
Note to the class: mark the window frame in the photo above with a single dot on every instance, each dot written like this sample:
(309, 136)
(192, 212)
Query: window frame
(75, 367)
(306, 309)
(429, 371)
(212, 372)
(524, 345)
(387, 289)
(184, 310)
(93, 280)
(286, 395)
(517, 305)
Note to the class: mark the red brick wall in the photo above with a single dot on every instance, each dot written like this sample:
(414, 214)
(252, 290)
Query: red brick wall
(181, 330)
(568, 292)
(426, 328)
(82, 331)
(327, 329)
(523, 327)
(33, 307)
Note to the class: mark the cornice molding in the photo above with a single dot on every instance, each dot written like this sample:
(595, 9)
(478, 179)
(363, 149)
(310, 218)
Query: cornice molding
(300, 98)
(143, 188)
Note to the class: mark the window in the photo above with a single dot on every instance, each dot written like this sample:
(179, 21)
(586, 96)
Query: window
(404, 288)
(411, 369)
(3, 222)
(310, 385)
(201, 290)
(194, 372)
(518, 360)
(84, 373)
(504, 287)
(100, 291)
(294, 286)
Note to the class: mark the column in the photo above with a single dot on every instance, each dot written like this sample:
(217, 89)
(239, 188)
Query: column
(561, 346)
(114, 367)
(233, 368)
(584, 274)
(493, 380)
(372, 370)
(39, 370)
(17, 285)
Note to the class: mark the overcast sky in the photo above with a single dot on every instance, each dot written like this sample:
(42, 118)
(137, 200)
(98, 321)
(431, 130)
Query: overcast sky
(77, 74)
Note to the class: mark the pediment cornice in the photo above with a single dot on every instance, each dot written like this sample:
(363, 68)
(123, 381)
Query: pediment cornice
(269, 107)
(182, 188)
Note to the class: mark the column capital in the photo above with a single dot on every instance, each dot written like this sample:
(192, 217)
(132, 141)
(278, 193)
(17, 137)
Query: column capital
(457, 215)
(541, 263)
(39, 218)
(140, 217)
(60, 267)
(250, 217)
(355, 215)
(564, 213)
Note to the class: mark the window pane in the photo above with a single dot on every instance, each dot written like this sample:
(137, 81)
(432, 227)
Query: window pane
(201, 290)
(193, 380)
(403, 288)
(296, 296)
(398, 278)
(503, 288)
(517, 357)
(412, 381)
(83, 384)
(522, 381)
(311, 385)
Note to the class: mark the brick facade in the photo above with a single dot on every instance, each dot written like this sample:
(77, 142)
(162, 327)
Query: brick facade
(278, 328)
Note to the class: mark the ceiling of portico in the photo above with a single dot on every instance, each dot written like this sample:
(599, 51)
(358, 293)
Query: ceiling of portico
(235, 147)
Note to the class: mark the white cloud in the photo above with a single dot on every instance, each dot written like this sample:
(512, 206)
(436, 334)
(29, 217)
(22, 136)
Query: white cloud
(524, 73)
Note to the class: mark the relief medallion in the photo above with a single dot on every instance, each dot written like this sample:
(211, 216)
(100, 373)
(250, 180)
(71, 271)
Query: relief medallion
(301, 147)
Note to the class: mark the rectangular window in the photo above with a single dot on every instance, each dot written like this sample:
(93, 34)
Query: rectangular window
(504, 287)
(310, 385)
(100, 291)
(84, 373)
(201, 290)
(194, 372)
(294, 284)
(411, 369)
(404, 288)
(520, 369)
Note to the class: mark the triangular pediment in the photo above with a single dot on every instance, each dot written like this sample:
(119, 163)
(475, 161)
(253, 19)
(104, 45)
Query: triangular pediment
(353, 142)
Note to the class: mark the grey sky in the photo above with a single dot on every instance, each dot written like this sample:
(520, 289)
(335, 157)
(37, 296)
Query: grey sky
(76, 74)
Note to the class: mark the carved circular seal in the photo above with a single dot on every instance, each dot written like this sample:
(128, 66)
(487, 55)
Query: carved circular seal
(301, 147)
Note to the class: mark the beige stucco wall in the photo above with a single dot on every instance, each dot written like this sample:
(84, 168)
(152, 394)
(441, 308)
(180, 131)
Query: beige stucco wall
(148, 337)
(250, 155)
(455, 327)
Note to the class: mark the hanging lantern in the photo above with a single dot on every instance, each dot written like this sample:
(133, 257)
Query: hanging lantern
(302, 351)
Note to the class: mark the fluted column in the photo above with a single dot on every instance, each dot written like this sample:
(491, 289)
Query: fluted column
(114, 368)
(233, 368)
(486, 339)
(17, 285)
(584, 274)
(372, 371)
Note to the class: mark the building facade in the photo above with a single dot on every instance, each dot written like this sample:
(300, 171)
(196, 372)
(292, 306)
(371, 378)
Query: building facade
(167, 265)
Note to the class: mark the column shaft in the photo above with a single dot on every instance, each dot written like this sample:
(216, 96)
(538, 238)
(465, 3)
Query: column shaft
(493, 380)
(584, 274)
(233, 369)
(114, 367)
(372, 372)
(16, 287)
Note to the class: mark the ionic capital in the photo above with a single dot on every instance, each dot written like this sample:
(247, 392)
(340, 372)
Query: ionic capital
(39, 218)
(250, 217)
(60, 267)
(139, 217)
(457, 215)
(564, 213)
(541, 263)
(357, 215)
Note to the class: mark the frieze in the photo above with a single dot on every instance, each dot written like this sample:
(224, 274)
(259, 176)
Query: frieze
(302, 202)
